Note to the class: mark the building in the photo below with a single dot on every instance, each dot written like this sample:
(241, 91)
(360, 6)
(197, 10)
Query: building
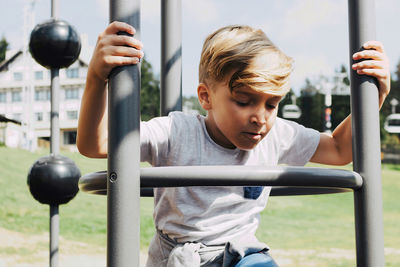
(25, 98)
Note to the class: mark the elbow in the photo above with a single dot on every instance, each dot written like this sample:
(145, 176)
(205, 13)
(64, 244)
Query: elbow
(89, 150)
(342, 160)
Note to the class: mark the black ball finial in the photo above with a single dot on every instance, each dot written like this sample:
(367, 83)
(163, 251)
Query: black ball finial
(54, 44)
(54, 180)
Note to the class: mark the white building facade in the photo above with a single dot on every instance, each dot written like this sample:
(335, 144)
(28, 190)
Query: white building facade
(25, 97)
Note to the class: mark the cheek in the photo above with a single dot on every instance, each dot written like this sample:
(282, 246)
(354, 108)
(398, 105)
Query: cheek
(271, 119)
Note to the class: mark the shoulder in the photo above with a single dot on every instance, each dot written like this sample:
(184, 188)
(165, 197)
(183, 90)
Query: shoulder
(296, 143)
(288, 127)
(286, 133)
(184, 121)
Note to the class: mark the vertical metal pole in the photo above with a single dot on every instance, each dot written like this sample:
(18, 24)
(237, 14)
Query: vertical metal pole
(54, 113)
(366, 142)
(171, 56)
(54, 233)
(54, 9)
(123, 183)
(54, 148)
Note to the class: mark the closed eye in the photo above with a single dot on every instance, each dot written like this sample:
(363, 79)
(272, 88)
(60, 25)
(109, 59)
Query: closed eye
(242, 104)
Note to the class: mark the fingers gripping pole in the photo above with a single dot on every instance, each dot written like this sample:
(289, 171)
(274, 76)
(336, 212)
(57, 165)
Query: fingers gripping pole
(123, 183)
(366, 142)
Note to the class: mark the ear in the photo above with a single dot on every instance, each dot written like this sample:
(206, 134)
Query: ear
(204, 95)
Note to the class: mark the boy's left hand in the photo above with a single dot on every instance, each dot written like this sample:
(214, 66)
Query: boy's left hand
(375, 64)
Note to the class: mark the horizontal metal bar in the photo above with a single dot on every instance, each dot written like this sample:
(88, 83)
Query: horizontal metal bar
(303, 178)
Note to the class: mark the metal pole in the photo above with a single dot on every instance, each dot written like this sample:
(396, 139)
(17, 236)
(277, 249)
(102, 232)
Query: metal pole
(54, 233)
(171, 56)
(55, 150)
(366, 142)
(123, 183)
(54, 9)
(54, 113)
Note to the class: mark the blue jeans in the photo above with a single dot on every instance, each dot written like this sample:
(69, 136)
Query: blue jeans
(257, 260)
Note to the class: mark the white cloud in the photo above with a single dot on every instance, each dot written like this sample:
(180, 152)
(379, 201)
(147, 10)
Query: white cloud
(306, 16)
(304, 67)
(102, 7)
(203, 11)
(150, 9)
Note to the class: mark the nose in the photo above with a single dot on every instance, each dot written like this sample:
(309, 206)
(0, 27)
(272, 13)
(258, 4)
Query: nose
(259, 116)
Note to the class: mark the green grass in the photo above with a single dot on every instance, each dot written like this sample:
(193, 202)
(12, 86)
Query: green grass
(314, 223)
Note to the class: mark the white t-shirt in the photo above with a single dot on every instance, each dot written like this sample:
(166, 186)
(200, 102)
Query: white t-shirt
(215, 215)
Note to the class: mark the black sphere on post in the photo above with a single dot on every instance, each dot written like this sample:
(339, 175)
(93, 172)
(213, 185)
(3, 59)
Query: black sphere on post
(54, 180)
(54, 44)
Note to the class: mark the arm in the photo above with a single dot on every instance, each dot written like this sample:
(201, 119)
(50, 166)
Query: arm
(336, 149)
(111, 50)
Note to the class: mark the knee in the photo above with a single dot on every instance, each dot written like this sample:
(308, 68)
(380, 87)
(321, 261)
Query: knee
(257, 260)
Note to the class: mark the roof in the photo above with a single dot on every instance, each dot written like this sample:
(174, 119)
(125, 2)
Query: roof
(5, 119)
(4, 65)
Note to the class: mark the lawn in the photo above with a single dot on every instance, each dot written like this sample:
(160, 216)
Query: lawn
(301, 231)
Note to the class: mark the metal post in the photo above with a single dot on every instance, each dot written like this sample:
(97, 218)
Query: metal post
(54, 9)
(171, 56)
(54, 233)
(366, 142)
(123, 183)
(54, 113)
(55, 150)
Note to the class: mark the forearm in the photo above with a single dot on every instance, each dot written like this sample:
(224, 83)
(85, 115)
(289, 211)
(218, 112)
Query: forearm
(92, 124)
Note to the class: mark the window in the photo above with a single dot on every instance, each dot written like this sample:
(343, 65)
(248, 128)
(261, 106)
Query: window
(72, 93)
(69, 137)
(72, 73)
(38, 75)
(16, 96)
(18, 76)
(39, 116)
(3, 97)
(42, 95)
(72, 114)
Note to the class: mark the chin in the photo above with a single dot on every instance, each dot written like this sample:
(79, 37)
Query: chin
(246, 147)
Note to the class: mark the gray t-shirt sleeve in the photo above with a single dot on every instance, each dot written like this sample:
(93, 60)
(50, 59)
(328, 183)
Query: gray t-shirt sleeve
(154, 139)
(297, 143)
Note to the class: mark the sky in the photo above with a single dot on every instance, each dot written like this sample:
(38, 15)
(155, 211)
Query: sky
(313, 32)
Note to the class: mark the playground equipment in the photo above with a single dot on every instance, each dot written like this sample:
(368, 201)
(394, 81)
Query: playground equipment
(124, 178)
(54, 44)
(392, 122)
(54, 179)
(291, 111)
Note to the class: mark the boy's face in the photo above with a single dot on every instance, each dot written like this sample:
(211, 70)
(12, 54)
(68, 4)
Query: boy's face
(239, 119)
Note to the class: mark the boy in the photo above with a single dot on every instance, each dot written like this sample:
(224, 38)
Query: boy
(242, 78)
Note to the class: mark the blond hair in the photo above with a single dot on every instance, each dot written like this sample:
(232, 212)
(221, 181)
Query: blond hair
(254, 59)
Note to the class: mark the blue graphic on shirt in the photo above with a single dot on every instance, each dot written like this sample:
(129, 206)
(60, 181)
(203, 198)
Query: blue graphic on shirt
(252, 192)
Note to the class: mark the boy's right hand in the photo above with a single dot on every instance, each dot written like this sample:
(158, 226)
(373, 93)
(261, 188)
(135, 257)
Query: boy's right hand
(114, 50)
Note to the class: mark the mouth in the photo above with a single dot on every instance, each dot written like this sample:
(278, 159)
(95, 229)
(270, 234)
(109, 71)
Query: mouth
(254, 136)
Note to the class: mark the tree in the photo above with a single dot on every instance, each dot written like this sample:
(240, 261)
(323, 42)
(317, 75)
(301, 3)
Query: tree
(386, 109)
(311, 103)
(287, 100)
(192, 102)
(3, 48)
(150, 93)
(340, 103)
